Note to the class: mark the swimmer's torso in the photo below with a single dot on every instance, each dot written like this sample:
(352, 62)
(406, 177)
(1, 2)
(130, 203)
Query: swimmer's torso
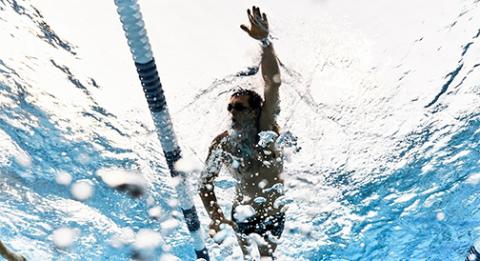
(257, 171)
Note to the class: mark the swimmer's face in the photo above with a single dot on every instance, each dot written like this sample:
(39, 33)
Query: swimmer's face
(240, 110)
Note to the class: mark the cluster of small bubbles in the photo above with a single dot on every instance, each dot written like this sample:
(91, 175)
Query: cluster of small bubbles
(169, 225)
(173, 182)
(273, 238)
(63, 178)
(64, 237)
(260, 200)
(82, 190)
(147, 239)
(155, 212)
(169, 257)
(243, 212)
(259, 240)
(282, 201)
(266, 138)
(187, 165)
(287, 140)
(129, 181)
(126, 236)
(278, 188)
(221, 235)
(288, 144)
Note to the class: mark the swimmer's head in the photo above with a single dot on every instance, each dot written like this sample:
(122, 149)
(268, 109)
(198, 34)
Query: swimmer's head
(245, 107)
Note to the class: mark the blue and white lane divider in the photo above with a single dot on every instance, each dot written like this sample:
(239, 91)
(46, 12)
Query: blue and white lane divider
(136, 34)
(473, 254)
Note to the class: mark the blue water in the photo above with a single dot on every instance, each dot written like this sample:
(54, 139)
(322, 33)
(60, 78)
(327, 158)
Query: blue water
(400, 195)
(419, 233)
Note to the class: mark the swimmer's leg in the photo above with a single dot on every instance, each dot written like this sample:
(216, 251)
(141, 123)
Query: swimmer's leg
(245, 245)
(272, 236)
(267, 249)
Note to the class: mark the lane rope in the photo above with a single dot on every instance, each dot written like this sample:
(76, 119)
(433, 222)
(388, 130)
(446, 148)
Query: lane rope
(134, 29)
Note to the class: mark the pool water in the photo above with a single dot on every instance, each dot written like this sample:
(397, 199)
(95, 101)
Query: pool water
(384, 100)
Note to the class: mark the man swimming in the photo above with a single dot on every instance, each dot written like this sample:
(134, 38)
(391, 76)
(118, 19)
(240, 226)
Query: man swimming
(254, 163)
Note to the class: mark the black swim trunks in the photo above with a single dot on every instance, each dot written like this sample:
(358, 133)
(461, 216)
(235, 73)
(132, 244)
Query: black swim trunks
(259, 225)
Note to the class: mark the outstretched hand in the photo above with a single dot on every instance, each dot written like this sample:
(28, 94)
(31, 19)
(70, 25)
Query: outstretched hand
(258, 24)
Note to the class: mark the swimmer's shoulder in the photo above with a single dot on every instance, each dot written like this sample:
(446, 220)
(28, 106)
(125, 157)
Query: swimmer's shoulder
(218, 142)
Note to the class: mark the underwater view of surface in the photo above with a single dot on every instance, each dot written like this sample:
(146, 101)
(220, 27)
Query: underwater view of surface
(383, 96)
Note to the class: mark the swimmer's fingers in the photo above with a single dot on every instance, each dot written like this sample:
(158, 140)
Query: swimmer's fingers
(260, 19)
(245, 28)
(258, 24)
(250, 16)
(252, 23)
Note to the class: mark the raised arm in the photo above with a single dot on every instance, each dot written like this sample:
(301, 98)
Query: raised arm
(213, 165)
(271, 76)
(259, 30)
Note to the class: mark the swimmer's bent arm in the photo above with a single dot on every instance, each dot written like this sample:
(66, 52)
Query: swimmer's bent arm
(212, 168)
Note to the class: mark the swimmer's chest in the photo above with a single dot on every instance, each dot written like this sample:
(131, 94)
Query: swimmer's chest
(249, 163)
